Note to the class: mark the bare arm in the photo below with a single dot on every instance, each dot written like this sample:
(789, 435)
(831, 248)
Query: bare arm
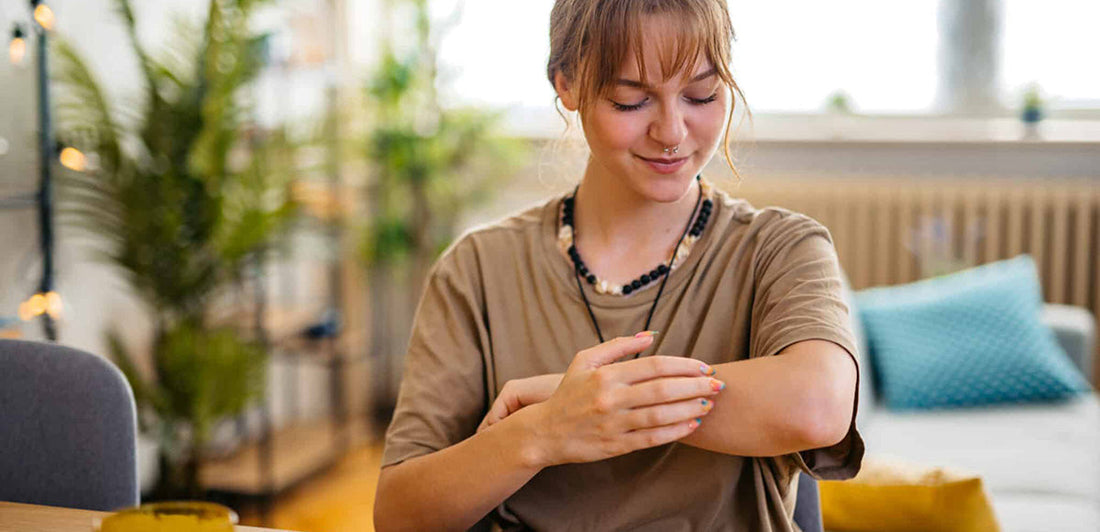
(453, 488)
(798, 400)
(773, 406)
(596, 412)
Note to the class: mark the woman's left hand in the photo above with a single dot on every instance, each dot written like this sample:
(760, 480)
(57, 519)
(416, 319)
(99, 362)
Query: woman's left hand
(519, 393)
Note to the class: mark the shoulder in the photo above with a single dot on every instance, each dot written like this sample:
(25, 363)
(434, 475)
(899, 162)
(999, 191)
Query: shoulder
(772, 237)
(769, 226)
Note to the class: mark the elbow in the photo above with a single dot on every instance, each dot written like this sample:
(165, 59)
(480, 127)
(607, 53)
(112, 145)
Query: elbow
(821, 435)
(828, 421)
(831, 404)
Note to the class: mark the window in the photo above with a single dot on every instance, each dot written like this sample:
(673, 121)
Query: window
(792, 56)
(1053, 43)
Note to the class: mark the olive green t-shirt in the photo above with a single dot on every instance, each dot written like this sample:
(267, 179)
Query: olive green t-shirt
(502, 304)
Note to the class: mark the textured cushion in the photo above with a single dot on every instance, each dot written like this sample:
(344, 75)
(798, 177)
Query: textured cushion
(889, 495)
(966, 339)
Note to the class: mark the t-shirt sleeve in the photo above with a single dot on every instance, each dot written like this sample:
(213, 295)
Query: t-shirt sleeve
(443, 392)
(798, 296)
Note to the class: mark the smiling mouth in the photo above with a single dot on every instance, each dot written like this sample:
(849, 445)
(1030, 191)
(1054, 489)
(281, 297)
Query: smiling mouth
(662, 160)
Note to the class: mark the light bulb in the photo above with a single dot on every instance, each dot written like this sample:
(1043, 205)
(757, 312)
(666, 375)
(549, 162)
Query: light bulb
(54, 306)
(73, 159)
(44, 16)
(36, 304)
(17, 50)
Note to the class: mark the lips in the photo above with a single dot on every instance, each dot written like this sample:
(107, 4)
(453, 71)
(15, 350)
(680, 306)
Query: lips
(663, 160)
(664, 165)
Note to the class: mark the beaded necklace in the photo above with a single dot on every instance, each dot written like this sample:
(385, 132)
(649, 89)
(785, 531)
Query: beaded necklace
(581, 271)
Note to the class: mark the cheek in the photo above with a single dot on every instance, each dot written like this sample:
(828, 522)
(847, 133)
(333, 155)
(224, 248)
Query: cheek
(708, 122)
(610, 129)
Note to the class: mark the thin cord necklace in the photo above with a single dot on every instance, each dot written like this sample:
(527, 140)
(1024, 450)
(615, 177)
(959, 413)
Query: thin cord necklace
(581, 271)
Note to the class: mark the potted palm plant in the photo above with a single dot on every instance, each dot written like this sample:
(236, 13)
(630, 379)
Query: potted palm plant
(430, 164)
(184, 199)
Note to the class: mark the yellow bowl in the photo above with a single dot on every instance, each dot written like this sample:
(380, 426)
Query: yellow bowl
(182, 516)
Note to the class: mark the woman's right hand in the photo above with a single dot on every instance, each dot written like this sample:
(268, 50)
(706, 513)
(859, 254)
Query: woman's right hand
(601, 410)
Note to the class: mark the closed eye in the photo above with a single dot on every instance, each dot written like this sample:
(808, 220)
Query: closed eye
(704, 101)
(635, 106)
(628, 106)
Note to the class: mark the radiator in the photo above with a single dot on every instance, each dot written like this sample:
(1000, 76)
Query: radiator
(891, 230)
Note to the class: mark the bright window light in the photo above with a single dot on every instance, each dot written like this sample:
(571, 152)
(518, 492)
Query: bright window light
(792, 56)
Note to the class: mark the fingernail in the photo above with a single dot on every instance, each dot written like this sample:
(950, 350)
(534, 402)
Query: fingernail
(698, 421)
(707, 370)
(717, 385)
(645, 333)
(708, 404)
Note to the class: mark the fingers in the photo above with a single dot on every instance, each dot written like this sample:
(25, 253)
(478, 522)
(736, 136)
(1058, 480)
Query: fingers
(668, 414)
(496, 413)
(667, 390)
(647, 368)
(506, 403)
(613, 350)
(652, 437)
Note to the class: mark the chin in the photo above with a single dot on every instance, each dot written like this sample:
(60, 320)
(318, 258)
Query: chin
(666, 188)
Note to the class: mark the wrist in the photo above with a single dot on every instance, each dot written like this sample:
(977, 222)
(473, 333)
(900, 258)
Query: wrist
(525, 429)
(555, 380)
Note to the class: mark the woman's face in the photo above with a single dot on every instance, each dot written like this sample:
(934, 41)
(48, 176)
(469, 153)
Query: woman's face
(629, 128)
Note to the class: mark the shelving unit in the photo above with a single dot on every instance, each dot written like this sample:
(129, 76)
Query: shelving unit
(273, 459)
(298, 452)
(277, 459)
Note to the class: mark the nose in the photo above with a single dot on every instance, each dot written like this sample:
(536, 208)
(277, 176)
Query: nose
(668, 128)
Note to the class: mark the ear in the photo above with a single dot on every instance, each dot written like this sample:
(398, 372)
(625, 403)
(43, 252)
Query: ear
(565, 91)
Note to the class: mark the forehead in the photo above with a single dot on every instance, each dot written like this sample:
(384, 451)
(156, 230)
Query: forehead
(669, 51)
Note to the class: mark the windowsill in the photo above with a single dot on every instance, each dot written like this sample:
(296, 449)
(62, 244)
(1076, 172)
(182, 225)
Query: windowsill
(917, 129)
(545, 124)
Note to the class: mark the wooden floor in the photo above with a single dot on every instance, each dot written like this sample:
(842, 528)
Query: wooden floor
(298, 450)
(340, 500)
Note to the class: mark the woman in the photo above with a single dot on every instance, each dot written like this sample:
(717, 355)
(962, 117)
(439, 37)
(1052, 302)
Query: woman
(516, 413)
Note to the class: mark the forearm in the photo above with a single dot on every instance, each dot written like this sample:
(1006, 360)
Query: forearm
(453, 488)
(771, 406)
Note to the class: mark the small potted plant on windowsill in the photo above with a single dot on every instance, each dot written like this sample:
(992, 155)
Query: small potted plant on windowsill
(1032, 112)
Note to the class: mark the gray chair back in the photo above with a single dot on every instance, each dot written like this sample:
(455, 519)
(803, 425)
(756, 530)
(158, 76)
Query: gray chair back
(807, 505)
(68, 429)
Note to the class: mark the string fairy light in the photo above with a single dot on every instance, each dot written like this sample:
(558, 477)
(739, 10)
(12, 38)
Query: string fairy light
(17, 49)
(49, 303)
(73, 159)
(46, 304)
(43, 15)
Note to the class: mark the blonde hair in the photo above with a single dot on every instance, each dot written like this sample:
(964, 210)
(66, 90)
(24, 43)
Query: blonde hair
(590, 39)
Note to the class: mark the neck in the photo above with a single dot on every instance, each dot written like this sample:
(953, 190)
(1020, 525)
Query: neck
(618, 228)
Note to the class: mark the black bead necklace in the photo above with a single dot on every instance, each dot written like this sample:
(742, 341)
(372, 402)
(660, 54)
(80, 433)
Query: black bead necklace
(581, 271)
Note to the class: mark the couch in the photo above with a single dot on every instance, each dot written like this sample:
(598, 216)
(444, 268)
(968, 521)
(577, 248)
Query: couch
(1039, 462)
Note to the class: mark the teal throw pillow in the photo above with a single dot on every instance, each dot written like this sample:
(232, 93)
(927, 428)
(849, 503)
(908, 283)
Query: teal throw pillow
(966, 339)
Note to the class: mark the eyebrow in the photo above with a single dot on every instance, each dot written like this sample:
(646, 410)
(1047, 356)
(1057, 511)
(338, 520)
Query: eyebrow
(640, 85)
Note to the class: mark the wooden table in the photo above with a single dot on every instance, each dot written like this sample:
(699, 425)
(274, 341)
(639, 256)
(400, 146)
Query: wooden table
(16, 517)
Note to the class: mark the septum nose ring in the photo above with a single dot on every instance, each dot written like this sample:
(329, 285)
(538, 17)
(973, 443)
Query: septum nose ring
(674, 149)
